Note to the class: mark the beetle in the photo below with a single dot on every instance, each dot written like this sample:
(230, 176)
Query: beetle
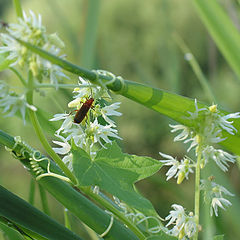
(82, 112)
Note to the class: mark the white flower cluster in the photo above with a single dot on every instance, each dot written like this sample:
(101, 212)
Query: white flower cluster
(96, 128)
(207, 126)
(30, 29)
(12, 103)
(184, 225)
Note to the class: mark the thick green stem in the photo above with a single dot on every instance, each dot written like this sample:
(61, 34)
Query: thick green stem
(23, 81)
(88, 191)
(31, 192)
(41, 136)
(44, 200)
(67, 223)
(197, 189)
(18, 8)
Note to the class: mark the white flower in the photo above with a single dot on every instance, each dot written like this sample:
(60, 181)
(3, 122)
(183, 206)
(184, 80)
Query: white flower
(219, 156)
(170, 161)
(100, 132)
(183, 135)
(226, 125)
(66, 147)
(213, 193)
(67, 123)
(218, 202)
(30, 29)
(68, 161)
(179, 169)
(185, 226)
(110, 111)
(12, 104)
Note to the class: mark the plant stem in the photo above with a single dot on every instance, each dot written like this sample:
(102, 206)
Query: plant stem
(44, 200)
(41, 136)
(31, 192)
(197, 189)
(48, 85)
(23, 81)
(88, 191)
(18, 8)
(66, 219)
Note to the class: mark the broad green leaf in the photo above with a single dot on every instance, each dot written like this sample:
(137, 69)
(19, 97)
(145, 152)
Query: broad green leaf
(4, 62)
(222, 30)
(116, 173)
(161, 236)
(164, 102)
(219, 237)
(24, 214)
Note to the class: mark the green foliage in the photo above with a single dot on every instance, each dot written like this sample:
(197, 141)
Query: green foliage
(4, 62)
(161, 236)
(222, 29)
(10, 233)
(24, 214)
(116, 173)
(219, 237)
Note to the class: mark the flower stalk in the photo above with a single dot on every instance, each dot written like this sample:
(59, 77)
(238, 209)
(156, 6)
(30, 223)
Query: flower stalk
(41, 136)
(197, 187)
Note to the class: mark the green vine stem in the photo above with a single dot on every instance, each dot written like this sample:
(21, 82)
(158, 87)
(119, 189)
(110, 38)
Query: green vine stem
(41, 136)
(88, 191)
(197, 188)
(32, 192)
(18, 8)
(44, 200)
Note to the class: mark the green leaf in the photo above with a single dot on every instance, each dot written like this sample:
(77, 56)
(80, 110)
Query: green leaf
(116, 173)
(219, 237)
(20, 212)
(4, 62)
(222, 30)
(161, 236)
(10, 232)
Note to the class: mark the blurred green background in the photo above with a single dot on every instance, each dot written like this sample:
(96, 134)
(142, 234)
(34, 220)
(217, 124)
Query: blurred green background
(133, 39)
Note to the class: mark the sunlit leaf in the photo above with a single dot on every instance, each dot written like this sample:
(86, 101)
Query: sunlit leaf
(116, 173)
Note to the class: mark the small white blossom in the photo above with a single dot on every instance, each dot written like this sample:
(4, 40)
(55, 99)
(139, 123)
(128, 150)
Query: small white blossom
(219, 156)
(218, 202)
(100, 132)
(183, 135)
(184, 225)
(65, 146)
(30, 29)
(13, 103)
(213, 193)
(226, 125)
(179, 169)
(110, 111)
(170, 161)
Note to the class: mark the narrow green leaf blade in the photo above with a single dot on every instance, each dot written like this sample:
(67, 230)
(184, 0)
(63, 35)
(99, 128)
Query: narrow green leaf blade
(10, 233)
(116, 173)
(161, 236)
(219, 237)
(24, 214)
(222, 30)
